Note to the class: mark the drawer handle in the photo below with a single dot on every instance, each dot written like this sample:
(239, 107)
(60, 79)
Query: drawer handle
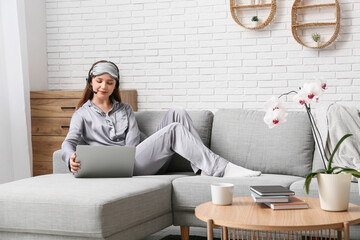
(65, 127)
(63, 108)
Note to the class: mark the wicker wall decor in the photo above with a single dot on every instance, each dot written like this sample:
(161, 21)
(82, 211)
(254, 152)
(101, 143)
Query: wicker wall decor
(297, 27)
(237, 5)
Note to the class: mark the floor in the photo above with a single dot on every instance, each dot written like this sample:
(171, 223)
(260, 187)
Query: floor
(175, 230)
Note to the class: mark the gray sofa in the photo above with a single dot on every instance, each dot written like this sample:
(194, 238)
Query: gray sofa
(59, 206)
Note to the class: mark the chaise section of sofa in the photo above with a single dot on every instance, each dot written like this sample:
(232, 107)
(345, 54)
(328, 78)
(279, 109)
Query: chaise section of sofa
(60, 205)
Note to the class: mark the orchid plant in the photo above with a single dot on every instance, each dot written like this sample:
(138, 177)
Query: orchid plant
(309, 93)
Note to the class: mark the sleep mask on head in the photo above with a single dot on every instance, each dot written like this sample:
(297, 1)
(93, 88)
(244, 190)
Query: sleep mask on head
(105, 67)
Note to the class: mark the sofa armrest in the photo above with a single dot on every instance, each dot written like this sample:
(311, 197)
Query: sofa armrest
(59, 165)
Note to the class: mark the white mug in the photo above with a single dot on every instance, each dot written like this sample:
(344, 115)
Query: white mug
(222, 193)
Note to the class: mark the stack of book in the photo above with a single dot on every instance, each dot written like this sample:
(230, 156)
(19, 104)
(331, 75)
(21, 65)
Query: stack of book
(276, 197)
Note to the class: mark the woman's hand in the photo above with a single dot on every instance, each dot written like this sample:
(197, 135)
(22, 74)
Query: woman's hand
(74, 165)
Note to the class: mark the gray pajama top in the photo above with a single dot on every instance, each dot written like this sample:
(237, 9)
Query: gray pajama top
(91, 125)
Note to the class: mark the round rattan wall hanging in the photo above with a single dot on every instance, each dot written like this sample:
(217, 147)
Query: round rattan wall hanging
(306, 32)
(253, 15)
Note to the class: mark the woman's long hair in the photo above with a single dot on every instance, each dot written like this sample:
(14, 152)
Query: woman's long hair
(88, 94)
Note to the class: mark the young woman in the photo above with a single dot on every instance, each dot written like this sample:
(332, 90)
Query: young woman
(102, 119)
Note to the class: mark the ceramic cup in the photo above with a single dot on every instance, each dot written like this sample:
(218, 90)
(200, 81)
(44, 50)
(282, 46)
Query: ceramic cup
(222, 193)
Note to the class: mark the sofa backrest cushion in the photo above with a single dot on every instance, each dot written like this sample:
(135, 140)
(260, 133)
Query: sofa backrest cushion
(242, 137)
(148, 122)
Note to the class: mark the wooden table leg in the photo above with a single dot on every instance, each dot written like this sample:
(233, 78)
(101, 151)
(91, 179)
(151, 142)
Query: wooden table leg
(225, 233)
(346, 231)
(210, 226)
(339, 234)
(185, 230)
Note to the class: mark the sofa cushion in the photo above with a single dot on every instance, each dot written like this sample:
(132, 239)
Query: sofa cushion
(148, 122)
(189, 192)
(242, 137)
(63, 205)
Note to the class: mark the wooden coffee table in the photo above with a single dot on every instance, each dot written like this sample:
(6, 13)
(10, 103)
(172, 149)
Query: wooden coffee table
(245, 219)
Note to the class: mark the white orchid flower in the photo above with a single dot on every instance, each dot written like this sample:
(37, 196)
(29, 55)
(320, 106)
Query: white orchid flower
(322, 84)
(310, 92)
(301, 97)
(274, 103)
(313, 90)
(274, 117)
(320, 81)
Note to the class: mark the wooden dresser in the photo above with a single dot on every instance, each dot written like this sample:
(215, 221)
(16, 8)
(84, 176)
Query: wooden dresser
(51, 113)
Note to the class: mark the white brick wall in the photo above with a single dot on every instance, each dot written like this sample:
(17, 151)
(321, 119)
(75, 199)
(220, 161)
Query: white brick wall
(191, 53)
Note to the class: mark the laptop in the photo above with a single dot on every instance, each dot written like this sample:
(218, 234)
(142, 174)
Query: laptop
(105, 161)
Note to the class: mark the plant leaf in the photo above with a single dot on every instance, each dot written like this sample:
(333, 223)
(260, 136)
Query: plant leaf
(351, 171)
(309, 178)
(336, 148)
(308, 181)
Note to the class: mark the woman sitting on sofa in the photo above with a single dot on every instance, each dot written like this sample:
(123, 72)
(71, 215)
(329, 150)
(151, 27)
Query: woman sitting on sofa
(102, 119)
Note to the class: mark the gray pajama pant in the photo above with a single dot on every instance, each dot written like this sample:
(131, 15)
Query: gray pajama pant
(176, 133)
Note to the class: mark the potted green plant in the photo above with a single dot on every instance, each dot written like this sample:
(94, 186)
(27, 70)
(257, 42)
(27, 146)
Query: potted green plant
(334, 187)
(255, 20)
(333, 182)
(316, 38)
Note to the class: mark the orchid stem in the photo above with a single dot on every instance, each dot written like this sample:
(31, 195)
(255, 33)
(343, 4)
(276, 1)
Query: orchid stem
(318, 132)
(285, 94)
(316, 135)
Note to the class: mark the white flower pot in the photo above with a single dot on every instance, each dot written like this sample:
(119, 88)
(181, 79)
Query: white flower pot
(334, 191)
(255, 24)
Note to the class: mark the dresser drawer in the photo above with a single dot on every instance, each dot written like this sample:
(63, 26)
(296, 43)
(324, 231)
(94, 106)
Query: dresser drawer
(45, 146)
(50, 126)
(43, 149)
(41, 168)
(53, 107)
